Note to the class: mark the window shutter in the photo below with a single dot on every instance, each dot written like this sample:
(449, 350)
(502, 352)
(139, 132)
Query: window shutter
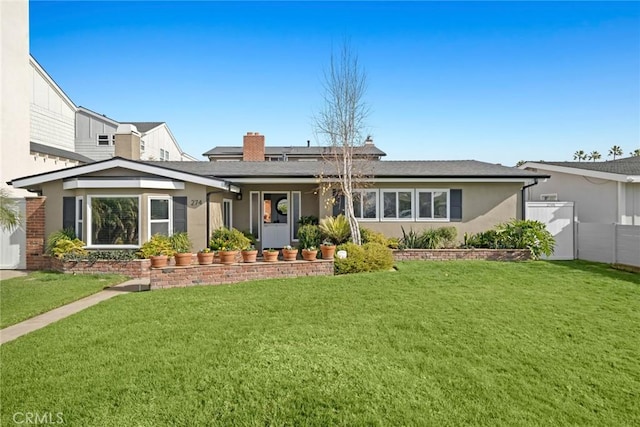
(69, 212)
(179, 214)
(455, 205)
(338, 206)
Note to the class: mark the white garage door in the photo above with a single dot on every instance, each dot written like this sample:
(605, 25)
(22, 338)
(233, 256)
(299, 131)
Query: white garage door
(559, 219)
(13, 244)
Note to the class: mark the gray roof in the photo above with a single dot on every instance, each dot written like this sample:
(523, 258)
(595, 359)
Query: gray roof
(380, 168)
(625, 166)
(302, 150)
(58, 152)
(144, 126)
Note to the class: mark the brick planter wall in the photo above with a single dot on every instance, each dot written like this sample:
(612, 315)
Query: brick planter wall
(136, 269)
(449, 254)
(217, 274)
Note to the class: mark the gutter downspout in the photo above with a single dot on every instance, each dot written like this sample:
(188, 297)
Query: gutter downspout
(524, 203)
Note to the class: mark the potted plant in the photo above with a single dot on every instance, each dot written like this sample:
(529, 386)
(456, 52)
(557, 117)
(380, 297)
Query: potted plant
(310, 253)
(270, 255)
(228, 242)
(289, 253)
(328, 249)
(205, 256)
(181, 246)
(158, 249)
(249, 254)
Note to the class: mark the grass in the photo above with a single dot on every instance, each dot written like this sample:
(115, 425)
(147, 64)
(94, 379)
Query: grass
(436, 343)
(28, 296)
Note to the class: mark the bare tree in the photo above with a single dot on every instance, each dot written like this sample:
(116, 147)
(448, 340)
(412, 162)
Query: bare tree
(341, 125)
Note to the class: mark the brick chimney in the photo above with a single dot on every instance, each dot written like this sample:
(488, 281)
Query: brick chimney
(253, 147)
(127, 142)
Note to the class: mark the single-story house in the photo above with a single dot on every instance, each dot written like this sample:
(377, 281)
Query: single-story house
(121, 202)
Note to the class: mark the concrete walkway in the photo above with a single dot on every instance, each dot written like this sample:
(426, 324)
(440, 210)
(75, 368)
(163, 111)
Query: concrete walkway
(12, 332)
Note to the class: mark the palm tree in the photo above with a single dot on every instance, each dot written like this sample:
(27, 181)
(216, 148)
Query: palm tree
(579, 155)
(594, 155)
(615, 151)
(635, 153)
(9, 213)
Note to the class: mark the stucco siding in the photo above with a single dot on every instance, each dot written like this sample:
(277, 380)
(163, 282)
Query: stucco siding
(595, 199)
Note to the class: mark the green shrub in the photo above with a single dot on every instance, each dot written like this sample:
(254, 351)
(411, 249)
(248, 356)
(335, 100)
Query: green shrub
(430, 238)
(448, 236)
(515, 234)
(62, 234)
(371, 236)
(67, 247)
(309, 236)
(335, 229)
(113, 255)
(224, 239)
(180, 242)
(410, 240)
(368, 257)
(159, 244)
(310, 219)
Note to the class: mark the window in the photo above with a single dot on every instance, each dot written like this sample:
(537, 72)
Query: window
(161, 154)
(549, 197)
(365, 204)
(113, 221)
(142, 145)
(160, 220)
(397, 204)
(227, 213)
(433, 204)
(106, 139)
(255, 214)
(79, 219)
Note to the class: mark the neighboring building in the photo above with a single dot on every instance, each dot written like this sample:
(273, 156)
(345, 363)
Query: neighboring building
(267, 198)
(603, 192)
(594, 208)
(95, 138)
(254, 149)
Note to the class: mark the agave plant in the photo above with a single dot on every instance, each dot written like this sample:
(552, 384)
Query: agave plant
(335, 229)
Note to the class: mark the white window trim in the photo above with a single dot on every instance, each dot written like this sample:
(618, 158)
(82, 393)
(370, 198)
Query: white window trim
(80, 220)
(230, 202)
(88, 219)
(396, 190)
(549, 197)
(157, 221)
(416, 209)
(111, 139)
(377, 210)
(259, 230)
(295, 220)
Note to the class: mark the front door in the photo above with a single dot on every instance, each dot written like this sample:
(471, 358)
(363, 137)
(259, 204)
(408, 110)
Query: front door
(276, 230)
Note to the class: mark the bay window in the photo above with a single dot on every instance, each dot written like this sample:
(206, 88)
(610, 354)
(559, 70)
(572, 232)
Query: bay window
(113, 221)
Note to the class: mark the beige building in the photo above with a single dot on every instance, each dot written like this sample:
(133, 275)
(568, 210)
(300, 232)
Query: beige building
(268, 198)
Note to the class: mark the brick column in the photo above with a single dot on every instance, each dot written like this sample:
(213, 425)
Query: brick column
(35, 234)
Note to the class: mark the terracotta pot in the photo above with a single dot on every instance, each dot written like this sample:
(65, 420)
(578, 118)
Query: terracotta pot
(289, 254)
(309, 255)
(228, 257)
(159, 261)
(205, 258)
(328, 251)
(183, 259)
(270, 256)
(249, 256)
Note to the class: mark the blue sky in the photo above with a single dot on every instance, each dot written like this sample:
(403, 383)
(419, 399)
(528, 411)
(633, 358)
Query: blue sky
(497, 82)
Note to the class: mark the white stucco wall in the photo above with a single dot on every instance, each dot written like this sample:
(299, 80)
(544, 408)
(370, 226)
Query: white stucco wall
(596, 200)
(14, 91)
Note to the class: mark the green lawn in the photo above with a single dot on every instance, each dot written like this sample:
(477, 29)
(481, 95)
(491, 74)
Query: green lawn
(27, 296)
(436, 343)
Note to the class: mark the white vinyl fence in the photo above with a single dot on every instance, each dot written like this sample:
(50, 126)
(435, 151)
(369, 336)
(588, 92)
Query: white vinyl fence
(611, 243)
